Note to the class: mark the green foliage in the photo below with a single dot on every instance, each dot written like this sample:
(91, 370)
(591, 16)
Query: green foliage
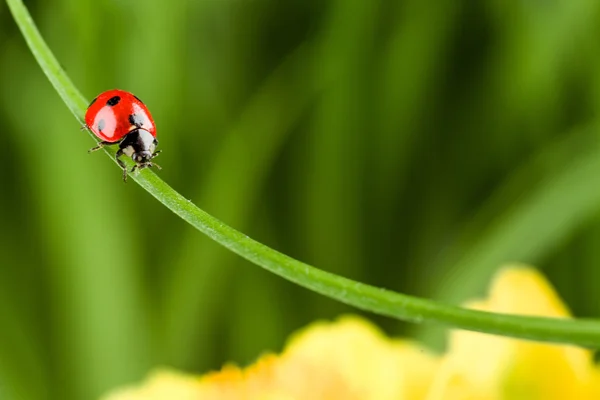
(409, 147)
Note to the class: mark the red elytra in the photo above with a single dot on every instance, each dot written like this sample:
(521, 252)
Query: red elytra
(119, 117)
(115, 113)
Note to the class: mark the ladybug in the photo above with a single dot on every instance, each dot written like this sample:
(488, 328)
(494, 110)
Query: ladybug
(119, 117)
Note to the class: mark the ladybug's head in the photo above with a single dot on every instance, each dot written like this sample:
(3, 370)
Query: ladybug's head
(140, 145)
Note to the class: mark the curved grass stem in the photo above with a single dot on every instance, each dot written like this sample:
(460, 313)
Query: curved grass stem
(362, 296)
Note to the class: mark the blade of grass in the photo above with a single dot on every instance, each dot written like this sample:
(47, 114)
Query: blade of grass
(253, 141)
(331, 202)
(22, 374)
(522, 221)
(366, 297)
(408, 74)
(527, 222)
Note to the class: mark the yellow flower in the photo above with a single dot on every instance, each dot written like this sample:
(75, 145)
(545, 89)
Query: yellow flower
(351, 359)
(480, 366)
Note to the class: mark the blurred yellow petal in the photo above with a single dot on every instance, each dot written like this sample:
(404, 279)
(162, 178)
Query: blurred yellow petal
(518, 289)
(370, 365)
(351, 359)
(481, 366)
(162, 384)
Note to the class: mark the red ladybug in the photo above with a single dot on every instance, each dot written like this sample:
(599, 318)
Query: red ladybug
(119, 117)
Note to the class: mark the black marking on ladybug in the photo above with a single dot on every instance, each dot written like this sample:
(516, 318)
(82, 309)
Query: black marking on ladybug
(137, 120)
(138, 99)
(101, 125)
(113, 101)
(93, 101)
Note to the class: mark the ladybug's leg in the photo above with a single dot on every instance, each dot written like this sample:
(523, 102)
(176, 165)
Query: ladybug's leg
(141, 166)
(149, 165)
(100, 145)
(155, 154)
(121, 164)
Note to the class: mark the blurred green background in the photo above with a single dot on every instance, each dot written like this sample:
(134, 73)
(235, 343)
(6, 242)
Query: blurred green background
(413, 145)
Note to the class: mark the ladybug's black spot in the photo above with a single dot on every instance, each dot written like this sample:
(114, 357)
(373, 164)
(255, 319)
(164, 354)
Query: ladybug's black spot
(113, 101)
(137, 120)
(93, 101)
(101, 125)
(138, 99)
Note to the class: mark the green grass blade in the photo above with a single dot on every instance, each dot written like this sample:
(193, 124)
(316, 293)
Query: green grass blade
(380, 301)
(254, 140)
(526, 221)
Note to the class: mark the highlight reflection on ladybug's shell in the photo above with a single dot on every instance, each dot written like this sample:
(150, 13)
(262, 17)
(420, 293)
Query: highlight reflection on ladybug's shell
(115, 113)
